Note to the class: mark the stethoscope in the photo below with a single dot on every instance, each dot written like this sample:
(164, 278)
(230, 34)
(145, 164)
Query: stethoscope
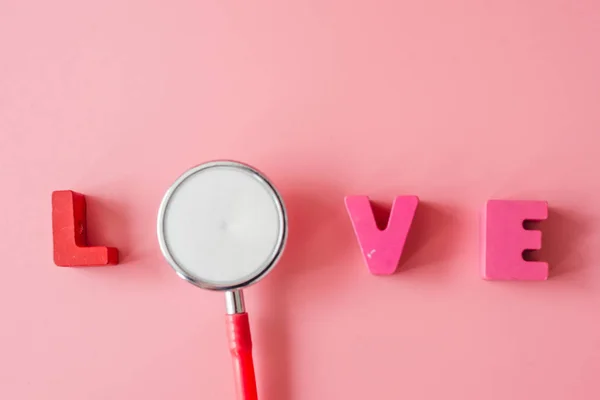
(223, 226)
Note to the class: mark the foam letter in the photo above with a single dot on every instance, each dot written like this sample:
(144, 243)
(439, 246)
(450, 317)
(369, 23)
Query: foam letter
(505, 239)
(69, 234)
(381, 249)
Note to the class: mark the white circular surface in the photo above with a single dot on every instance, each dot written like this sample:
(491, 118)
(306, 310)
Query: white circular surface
(222, 224)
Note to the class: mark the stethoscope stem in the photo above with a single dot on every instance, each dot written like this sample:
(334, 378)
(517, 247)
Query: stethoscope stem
(234, 302)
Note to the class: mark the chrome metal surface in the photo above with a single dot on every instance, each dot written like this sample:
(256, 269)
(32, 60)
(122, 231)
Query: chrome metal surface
(234, 301)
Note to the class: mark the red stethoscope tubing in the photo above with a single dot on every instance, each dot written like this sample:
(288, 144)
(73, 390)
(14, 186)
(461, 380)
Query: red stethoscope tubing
(240, 346)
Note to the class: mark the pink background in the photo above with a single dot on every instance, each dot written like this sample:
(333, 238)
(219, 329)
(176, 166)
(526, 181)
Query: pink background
(456, 102)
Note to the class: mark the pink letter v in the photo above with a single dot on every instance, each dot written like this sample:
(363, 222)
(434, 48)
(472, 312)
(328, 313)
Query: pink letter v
(381, 249)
